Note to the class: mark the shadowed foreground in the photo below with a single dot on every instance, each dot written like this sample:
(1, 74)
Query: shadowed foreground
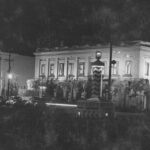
(29, 127)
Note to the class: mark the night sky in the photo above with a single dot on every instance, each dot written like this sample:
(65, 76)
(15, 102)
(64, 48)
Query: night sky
(29, 24)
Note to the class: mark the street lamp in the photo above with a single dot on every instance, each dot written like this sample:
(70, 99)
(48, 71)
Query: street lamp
(10, 76)
(98, 55)
(97, 68)
(110, 67)
(95, 107)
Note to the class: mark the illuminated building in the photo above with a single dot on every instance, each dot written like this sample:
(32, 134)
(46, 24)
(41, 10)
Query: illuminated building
(132, 61)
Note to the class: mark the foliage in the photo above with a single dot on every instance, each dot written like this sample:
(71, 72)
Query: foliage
(50, 88)
(131, 87)
(22, 127)
(131, 95)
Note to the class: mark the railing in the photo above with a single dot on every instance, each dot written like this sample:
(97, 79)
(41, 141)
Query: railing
(131, 103)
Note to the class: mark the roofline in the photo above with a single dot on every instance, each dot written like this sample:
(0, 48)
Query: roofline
(79, 50)
(65, 49)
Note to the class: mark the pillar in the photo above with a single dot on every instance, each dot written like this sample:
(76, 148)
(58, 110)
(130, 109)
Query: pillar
(46, 68)
(56, 67)
(76, 67)
(87, 67)
(66, 68)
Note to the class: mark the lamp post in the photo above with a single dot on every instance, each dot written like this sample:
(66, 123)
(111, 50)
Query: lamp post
(110, 65)
(109, 80)
(95, 107)
(97, 68)
(10, 76)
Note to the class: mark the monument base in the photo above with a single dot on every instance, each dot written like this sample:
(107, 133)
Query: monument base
(95, 108)
(96, 99)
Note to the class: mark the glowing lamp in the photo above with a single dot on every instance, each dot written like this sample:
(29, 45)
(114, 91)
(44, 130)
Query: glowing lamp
(10, 76)
(98, 55)
(106, 114)
(79, 113)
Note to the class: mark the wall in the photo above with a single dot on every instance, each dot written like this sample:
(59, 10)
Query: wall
(120, 54)
(144, 57)
(22, 68)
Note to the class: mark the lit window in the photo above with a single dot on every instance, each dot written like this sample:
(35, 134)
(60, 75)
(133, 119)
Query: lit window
(70, 68)
(81, 69)
(51, 69)
(147, 64)
(114, 69)
(42, 72)
(128, 67)
(42, 67)
(61, 69)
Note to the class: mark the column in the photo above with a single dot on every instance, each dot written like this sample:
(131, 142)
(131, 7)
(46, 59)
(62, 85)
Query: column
(56, 67)
(87, 66)
(46, 68)
(37, 67)
(66, 68)
(76, 67)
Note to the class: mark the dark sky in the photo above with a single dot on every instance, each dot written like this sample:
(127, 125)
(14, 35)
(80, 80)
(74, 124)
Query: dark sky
(29, 24)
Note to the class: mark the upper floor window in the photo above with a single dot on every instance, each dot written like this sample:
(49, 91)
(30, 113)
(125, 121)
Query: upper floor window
(61, 69)
(70, 68)
(51, 69)
(128, 67)
(114, 69)
(81, 69)
(147, 65)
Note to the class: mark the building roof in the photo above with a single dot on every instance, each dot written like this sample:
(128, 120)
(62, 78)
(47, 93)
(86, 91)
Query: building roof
(86, 47)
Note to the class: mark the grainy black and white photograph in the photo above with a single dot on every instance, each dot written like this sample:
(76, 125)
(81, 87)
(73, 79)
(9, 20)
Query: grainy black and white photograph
(74, 75)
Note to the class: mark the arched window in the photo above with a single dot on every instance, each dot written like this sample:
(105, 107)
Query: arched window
(128, 67)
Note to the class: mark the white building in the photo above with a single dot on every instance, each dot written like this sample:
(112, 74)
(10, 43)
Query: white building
(133, 61)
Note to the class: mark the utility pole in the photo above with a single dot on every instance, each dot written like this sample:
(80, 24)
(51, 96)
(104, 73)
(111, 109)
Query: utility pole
(9, 69)
(109, 80)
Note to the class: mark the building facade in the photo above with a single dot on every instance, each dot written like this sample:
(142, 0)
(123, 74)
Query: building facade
(21, 67)
(132, 61)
